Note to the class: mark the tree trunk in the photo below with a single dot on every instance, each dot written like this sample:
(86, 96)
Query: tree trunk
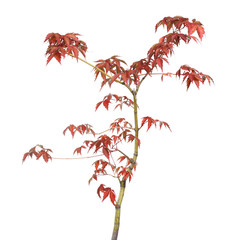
(118, 210)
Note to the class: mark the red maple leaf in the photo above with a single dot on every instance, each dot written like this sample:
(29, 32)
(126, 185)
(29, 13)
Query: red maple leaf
(106, 192)
(60, 45)
(79, 150)
(38, 151)
(191, 75)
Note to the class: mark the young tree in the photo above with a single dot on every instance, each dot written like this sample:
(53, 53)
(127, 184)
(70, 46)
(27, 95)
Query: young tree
(115, 162)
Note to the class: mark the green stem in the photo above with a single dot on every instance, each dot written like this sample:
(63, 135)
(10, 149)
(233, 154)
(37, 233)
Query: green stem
(135, 155)
(91, 65)
(118, 210)
(130, 168)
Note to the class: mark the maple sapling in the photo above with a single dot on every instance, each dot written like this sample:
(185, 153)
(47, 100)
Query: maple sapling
(114, 161)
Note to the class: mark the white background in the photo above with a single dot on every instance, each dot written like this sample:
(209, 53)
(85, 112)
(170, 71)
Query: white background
(187, 182)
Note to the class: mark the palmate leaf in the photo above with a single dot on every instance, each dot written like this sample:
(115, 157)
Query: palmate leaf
(118, 99)
(124, 173)
(179, 23)
(106, 152)
(106, 192)
(120, 124)
(57, 55)
(79, 150)
(82, 129)
(38, 151)
(60, 45)
(159, 52)
(142, 65)
(154, 122)
(171, 22)
(103, 164)
(191, 75)
(111, 65)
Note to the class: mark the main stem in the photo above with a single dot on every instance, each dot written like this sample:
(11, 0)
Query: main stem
(118, 210)
(130, 168)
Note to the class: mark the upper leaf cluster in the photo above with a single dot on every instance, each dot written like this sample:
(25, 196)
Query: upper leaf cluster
(60, 45)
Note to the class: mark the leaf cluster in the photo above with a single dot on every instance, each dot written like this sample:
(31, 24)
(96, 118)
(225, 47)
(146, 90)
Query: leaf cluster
(38, 151)
(150, 121)
(191, 75)
(118, 99)
(60, 45)
(106, 192)
(114, 69)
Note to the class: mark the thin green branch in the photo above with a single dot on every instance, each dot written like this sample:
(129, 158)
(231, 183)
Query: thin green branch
(116, 149)
(107, 175)
(156, 74)
(91, 65)
(150, 74)
(77, 158)
(111, 129)
(141, 82)
(135, 154)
